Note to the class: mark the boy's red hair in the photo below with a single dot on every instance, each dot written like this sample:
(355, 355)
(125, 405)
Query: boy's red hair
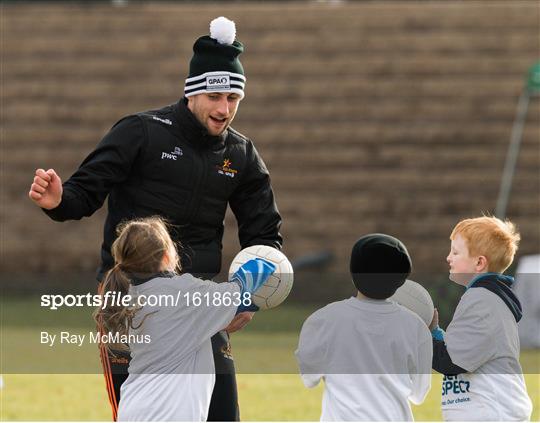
(490, 237)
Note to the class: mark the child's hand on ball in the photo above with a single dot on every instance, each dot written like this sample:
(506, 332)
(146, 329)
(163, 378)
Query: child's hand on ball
(253, 274)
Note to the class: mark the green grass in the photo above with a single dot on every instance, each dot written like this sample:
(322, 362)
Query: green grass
(267, 397)
(272, 337)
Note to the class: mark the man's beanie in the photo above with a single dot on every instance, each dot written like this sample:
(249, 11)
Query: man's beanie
(214, 66)
(379, 265)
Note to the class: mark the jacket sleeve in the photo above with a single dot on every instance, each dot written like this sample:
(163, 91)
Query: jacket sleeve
(421, 374)
(442, 361)
(109, 164)
(254, 207)
(313, 349)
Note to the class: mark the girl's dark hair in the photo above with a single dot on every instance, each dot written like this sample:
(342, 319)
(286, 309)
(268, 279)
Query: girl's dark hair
(138, 252)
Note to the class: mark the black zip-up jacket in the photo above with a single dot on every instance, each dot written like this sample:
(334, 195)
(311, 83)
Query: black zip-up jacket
(164, 162)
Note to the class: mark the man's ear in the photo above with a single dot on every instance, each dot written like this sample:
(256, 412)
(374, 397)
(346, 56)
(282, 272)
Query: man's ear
(190, 103)
(481, 264)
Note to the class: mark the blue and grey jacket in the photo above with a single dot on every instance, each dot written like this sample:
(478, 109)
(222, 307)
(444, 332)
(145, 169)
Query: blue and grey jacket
(501, 285)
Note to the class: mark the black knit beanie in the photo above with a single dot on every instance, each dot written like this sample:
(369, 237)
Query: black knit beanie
(380, 264)
(215, 66)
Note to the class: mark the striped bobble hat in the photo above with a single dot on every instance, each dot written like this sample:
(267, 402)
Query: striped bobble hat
(215, 66)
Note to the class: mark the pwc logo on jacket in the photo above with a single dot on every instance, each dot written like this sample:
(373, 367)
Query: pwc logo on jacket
(173, 155)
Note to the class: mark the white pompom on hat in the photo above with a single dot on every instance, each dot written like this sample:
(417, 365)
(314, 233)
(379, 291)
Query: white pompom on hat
(223, 30)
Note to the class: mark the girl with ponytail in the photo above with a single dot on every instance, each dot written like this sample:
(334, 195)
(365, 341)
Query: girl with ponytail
(143, 249)
(171, 372)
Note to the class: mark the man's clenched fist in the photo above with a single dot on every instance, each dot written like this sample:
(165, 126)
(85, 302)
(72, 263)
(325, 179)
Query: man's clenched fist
(46, 190)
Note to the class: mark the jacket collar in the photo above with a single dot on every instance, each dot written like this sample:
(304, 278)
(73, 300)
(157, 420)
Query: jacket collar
(139, 280)
(500, 285)
(193, 131)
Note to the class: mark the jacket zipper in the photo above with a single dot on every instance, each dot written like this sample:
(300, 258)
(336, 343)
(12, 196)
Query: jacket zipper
(197, 194)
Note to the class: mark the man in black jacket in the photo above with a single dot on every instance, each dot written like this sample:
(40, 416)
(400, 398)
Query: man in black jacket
(185, 163)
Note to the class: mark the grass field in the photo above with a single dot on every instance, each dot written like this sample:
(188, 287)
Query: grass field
(272, 336)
